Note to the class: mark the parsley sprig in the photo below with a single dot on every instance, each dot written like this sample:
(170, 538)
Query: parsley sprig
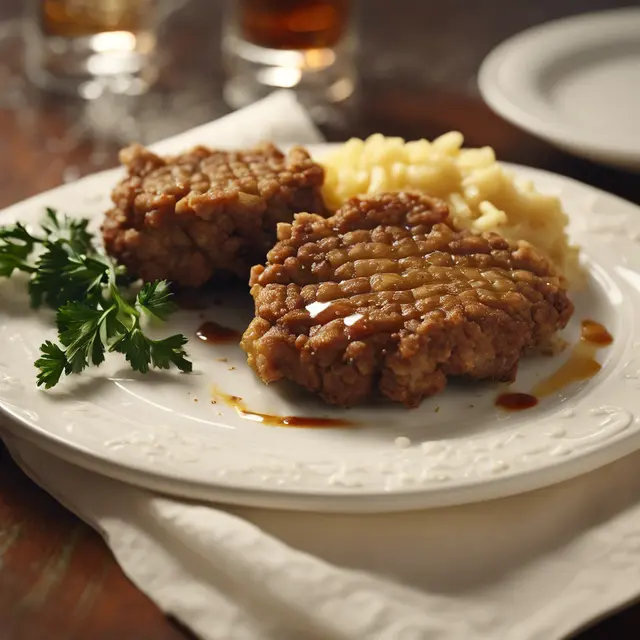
(97, 310)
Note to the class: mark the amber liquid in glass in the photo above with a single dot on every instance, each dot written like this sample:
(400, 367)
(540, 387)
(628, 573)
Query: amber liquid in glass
(293, 24)
(307, 46)
(72, 18)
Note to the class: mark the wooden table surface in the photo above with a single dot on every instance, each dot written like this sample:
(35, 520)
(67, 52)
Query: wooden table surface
(57, 578)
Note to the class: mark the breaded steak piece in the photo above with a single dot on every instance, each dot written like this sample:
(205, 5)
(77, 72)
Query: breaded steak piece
(184, 218)
(387, 298)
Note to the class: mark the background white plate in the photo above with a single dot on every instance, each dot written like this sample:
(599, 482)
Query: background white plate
(573, 82)
(162, 431)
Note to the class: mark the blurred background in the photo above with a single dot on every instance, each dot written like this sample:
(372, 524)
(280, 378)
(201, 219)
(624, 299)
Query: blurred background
(416, 63)
(403, 67)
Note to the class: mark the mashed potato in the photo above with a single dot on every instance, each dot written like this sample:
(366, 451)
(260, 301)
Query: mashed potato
(482, 195)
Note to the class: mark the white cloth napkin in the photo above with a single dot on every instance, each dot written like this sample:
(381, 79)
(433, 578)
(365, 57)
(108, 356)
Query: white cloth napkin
(536, 566)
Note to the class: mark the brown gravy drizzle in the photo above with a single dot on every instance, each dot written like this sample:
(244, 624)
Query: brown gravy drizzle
(214, 333)
(516, 401)
(581, 365)
(278, 421)
(594, 333)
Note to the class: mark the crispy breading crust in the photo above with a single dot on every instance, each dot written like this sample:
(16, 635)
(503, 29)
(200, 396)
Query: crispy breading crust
(387, 298)
(188, 217)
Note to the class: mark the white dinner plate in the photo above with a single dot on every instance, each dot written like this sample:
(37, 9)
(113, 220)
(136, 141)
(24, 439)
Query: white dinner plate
(574, 82)
(162, 431)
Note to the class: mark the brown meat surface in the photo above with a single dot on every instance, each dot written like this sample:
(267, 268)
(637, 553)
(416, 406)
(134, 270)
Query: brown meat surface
(387, 298)
(188, 217)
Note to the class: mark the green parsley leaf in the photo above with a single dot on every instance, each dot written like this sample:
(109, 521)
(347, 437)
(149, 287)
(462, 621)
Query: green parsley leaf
(80, 331)
(61, 277)
(96, 310)
(16, 245)
(136, 348)
(51, 364)
(170, 351)
(155, 299)
(71, 231)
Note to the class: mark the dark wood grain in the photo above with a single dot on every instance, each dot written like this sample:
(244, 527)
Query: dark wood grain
(57, 578)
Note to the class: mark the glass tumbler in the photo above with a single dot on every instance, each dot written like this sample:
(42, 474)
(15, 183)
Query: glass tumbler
(304, 45)
(85, 47)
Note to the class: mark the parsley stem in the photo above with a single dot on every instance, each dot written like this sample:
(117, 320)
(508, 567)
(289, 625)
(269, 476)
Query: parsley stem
(96, 312)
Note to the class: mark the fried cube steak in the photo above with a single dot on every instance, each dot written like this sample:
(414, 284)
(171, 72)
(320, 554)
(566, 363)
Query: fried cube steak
(188, 217)
(387, 298)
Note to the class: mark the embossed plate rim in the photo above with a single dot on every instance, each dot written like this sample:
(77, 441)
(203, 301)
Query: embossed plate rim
(341, 496)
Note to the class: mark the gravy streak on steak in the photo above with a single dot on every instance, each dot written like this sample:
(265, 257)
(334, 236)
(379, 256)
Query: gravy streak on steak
(189, 217)
(388, 298)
